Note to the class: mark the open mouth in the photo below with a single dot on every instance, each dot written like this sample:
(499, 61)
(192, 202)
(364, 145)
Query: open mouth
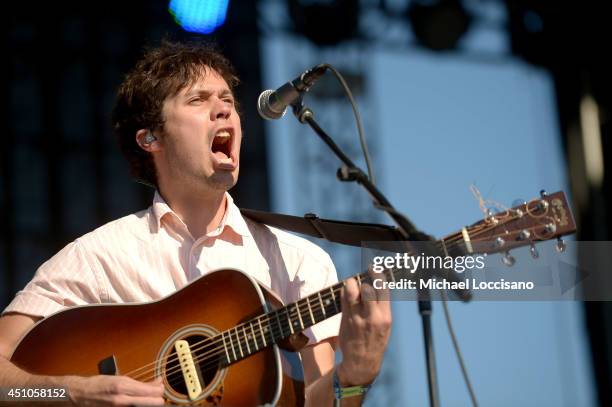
(222, 146)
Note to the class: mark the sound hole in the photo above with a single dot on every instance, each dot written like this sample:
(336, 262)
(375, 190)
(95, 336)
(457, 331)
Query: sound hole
(205, 360)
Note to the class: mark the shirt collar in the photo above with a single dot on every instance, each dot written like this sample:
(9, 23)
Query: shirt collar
(232, 217)
(160, 209)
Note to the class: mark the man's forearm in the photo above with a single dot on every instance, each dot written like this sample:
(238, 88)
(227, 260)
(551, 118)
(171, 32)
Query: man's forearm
(321, 393)
(12, 376)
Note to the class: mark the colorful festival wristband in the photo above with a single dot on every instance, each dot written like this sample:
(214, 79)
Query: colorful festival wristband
(344, 392)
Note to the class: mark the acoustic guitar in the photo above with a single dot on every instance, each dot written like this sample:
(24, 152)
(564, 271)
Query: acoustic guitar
(216, 341)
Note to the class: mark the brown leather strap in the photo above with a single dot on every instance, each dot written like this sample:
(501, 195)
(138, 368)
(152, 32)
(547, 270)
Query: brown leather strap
(348, 233)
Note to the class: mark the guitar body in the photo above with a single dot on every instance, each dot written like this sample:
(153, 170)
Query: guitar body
(137, 340)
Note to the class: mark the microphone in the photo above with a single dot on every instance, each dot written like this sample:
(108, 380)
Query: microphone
(272, 104)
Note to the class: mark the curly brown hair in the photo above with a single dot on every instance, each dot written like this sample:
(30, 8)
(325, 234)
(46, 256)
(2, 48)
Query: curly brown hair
(162, 72)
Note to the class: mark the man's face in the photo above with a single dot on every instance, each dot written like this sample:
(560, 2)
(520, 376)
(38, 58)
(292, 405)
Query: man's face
(202, 135)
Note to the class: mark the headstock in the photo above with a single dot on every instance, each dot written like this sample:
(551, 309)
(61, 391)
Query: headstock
(544, 218)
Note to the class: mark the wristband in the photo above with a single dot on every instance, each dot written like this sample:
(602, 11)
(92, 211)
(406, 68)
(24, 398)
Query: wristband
(344, 392)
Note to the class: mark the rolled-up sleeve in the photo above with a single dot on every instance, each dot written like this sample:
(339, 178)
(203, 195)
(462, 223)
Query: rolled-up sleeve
(65, 280)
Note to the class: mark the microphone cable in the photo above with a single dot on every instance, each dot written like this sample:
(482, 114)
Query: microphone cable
(366, 154)
(451, 331)
(362, 140)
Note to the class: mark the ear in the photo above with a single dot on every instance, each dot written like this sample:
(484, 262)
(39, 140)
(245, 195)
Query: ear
(147, 141)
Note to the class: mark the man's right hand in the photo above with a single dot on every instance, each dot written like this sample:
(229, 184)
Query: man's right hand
(114, 391)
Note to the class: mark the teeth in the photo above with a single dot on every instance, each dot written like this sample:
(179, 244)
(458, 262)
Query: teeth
(222, 137)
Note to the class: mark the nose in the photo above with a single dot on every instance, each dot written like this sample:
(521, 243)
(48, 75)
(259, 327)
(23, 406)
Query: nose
(221, 109)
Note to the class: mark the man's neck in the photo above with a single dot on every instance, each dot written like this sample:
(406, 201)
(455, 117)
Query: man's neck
(201, 213)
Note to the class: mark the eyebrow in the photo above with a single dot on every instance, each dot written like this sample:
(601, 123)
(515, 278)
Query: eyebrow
(206, 92)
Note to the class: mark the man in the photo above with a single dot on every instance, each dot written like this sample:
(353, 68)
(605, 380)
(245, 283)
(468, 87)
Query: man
(178, 126)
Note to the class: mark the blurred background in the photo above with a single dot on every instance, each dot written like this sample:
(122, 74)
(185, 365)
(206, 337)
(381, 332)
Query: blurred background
(512, 96)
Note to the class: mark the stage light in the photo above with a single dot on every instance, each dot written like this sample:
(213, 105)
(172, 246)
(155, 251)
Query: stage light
(199, 16)
(438, 24)
(325, 22)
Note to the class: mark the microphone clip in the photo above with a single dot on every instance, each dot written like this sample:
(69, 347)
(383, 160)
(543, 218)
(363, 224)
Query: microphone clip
(309, 77)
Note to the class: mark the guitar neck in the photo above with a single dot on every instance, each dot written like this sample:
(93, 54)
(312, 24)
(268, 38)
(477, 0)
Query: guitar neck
(544, 218)
(264, 330)
(272, 327)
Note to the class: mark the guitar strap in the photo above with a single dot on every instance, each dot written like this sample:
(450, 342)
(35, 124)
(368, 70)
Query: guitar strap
(347, 233)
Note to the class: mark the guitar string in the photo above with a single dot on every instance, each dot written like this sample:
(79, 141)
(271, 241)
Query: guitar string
(269, 320)
(176, 377)
(214, 363)
(292, 314)
(215, 352)
(244, 339)
(256, 340)
(264, 319)
(218, 351)
(449, 242)
(481, 228)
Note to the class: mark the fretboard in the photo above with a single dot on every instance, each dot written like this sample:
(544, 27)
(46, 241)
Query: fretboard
(264, 330)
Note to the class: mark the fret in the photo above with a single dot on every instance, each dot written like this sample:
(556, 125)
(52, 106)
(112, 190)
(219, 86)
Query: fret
(299, 313)
(246, 339)
(254, 337)
(263, 334)
(232, 344)
(280, 327)
(331, 289)
(359, 281)
(392, 274)
(322, 306)
(239, 345)
(467, 240)
(289, 318)
(328, 302)
(312, 318)
(444, 247)
(225, 347)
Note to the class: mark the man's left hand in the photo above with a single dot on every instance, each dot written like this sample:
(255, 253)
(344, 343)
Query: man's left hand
(364, 332)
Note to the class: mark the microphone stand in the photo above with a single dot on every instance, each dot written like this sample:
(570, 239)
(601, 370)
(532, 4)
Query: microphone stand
(350, 172)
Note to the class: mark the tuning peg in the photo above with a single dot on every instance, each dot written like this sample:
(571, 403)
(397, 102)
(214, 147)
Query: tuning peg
(515, 204)
(533, 251)
(560, 246)
(542, 205)
(499, 241)
(550, 228)
(543, 193)
(508, 259)
(490, 213)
